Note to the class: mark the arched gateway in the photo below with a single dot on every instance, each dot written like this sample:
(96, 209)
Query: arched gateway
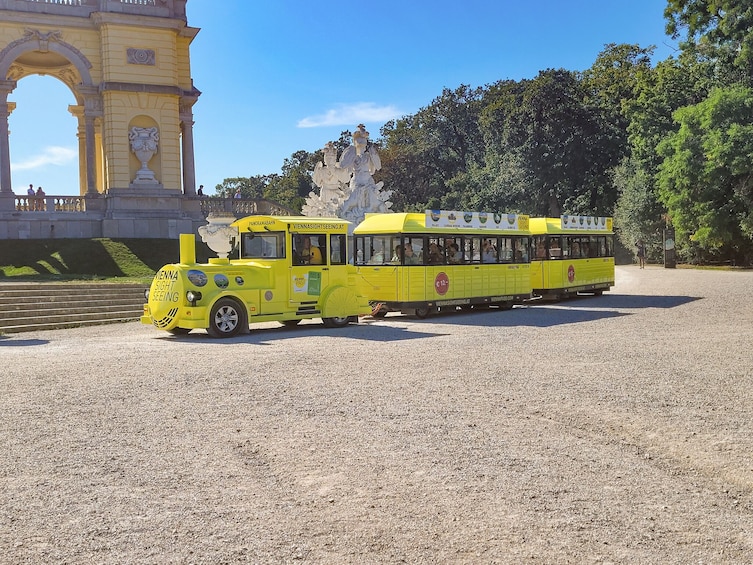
(127, 64)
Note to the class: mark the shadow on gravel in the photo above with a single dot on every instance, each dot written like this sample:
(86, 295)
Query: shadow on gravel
(637, 301)
(20, 342)
(526, 316)
(366, 330)
(535, 314)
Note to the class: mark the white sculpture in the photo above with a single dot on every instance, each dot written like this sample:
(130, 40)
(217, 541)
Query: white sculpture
(144, 144)
(329, 176)
(331, 180)
(218, 234)
(362, 195)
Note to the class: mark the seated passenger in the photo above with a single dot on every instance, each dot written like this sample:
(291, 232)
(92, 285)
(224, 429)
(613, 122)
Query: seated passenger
(398, 256)
(410, 257)
(377, 258)
(540, 251)
(490, 252)
(454, 255)
(310, 255)
(435, 256)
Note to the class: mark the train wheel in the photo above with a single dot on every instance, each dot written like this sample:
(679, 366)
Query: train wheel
(336, 322)
(422, 312)
(225, 319)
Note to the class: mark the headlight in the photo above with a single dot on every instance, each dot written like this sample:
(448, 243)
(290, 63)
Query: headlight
(193, 296)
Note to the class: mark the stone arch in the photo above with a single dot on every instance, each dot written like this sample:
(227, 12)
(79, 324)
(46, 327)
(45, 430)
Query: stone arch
(35, 41)
(121, 59)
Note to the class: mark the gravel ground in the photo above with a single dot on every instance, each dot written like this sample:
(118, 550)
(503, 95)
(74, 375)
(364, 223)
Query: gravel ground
(616, 429)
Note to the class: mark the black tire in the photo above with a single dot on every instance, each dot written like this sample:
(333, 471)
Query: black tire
(290, 323)
(422, 313)
(178, 331)
(226, 319)
(337, 322)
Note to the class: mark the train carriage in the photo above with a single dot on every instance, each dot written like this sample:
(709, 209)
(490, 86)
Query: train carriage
(571, 255)
(442, 260)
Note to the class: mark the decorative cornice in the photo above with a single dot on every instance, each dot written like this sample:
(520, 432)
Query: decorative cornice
(134, 87)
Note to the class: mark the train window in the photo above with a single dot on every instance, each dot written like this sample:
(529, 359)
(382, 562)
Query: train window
(263, 246)
(434, 254)
(505, 250)
(554, 248)
(413, 250)
(309, 249)
(472, 246)
(539, 247)
(489, 253)
(338, 250)
(521, 249)
(374, 249)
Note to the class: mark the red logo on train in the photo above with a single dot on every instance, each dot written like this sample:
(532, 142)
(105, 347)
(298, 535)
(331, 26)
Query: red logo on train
(571, 273)
(441, 283)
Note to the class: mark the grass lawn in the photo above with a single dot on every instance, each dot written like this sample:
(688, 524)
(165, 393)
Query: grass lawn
(134, 260)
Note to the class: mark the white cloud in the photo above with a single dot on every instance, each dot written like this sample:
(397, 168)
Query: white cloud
(351, 114)
(50, 156)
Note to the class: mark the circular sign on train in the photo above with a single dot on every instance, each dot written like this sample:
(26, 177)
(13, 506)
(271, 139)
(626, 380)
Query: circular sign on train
(441, 283)
(571, 273)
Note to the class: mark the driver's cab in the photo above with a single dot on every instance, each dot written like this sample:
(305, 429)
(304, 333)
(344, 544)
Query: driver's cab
(313, 250)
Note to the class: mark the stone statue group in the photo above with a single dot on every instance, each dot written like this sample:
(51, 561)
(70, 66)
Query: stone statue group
(347, 187)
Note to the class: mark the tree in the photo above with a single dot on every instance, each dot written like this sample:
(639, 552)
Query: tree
(422, 153)
(250, 187)
(545, 128)
(638, 214)
(706, 179)
(718, 30)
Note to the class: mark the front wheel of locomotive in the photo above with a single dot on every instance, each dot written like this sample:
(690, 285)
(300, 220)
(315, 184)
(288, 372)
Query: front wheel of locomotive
(226, 318)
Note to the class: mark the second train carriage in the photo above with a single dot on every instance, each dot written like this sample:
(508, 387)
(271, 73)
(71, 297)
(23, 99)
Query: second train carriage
(422, 263)
(571, 255)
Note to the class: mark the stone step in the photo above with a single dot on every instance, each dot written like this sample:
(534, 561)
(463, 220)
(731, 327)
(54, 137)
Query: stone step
(71, 309)
(13, 304)
(44, 306)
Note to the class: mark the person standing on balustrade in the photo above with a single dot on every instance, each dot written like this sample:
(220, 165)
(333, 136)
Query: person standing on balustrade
(39, 205)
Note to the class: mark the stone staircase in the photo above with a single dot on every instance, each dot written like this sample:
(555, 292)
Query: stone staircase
(28, 307)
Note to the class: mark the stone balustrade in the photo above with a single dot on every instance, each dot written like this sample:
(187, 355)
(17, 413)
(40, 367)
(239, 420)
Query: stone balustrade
(124, 214)
(50, 204)
(84, 8)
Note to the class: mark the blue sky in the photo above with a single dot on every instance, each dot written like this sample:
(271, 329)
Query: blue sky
(277, 76)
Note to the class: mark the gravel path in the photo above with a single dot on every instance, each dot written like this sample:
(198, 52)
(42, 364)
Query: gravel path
(616, 429)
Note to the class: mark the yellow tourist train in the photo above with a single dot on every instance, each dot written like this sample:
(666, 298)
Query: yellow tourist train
(287, 269)
(291, 268)
(571, 255)
(419, 264)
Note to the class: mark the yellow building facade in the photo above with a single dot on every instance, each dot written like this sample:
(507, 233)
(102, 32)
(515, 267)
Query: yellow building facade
(127, 63)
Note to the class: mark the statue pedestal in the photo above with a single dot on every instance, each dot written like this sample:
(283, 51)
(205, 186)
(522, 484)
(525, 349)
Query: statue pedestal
(146, 212)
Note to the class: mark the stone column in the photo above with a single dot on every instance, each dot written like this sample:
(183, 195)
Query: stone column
(189, 165)
(6, 185)
(91, 180)
(92, 110)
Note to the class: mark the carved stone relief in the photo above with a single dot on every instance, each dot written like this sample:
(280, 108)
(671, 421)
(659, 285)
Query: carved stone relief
(140, 56)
